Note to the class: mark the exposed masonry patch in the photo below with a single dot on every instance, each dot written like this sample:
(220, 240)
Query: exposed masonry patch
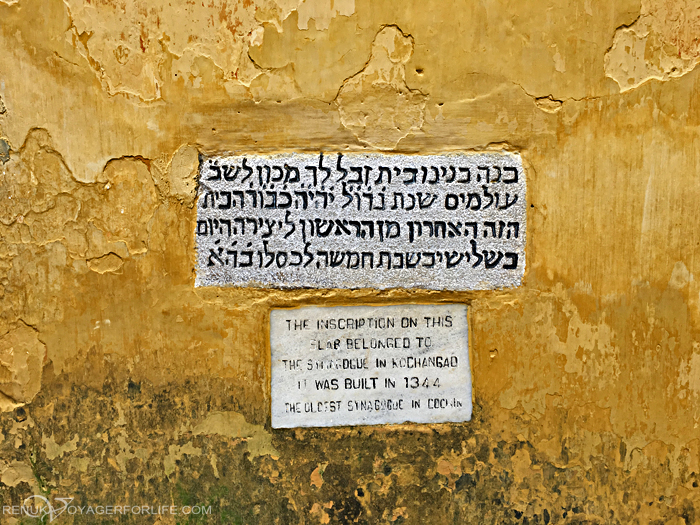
(376, 104)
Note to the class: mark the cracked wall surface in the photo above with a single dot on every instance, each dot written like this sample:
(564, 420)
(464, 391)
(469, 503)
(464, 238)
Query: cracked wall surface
(120, 383)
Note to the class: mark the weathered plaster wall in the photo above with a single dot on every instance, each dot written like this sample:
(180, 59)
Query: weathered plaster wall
(122, 383)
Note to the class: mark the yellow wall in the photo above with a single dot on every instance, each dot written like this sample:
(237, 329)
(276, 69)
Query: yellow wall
(123, 384)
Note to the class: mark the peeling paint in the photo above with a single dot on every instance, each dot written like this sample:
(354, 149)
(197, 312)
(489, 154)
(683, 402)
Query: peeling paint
(107, 263)
(321, 12)
(235, 426)
(53, 450)
(661, 44)
(16, 472)
(175, 454)
(128, 56)
(376, 104)
(182, 174)
(548, 104)
(22, 357)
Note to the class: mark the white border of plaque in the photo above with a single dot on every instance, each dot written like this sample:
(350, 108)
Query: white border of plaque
(455, 221)
(369, 365)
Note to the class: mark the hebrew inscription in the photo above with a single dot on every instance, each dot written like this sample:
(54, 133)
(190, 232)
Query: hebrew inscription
(453, 221)
(369, 365)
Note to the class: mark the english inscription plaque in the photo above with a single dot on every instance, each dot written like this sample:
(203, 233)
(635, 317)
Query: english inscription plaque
(453, 221)
(369, 365)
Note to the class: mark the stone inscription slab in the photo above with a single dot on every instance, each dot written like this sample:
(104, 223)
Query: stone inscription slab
(453, 221)
(369, 365)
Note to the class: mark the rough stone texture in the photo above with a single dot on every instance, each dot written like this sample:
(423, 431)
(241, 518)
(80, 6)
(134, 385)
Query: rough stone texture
(586, 393)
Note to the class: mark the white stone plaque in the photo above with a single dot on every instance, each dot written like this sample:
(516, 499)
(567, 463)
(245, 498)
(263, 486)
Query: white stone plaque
(369, 365)
(454, 221)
